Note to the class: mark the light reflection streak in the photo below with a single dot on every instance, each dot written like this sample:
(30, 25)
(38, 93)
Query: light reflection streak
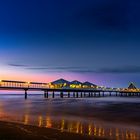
(92, 129)
(26, 119)
(48, 122)
(40, 121)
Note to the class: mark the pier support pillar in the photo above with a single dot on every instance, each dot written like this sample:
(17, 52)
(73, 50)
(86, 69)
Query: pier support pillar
(109, 93)
(116, 93)
(45, 94)
(25, 94)
(94, 94)
(76, 94)
(53, 94)
(81, 95)
(61, 94)
(89, 94)
(84, 94)
(68, 94)
(99, 94)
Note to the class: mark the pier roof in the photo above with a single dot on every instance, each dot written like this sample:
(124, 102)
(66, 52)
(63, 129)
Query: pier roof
(89, 84)
(60, 81)
(132, 86)
(76, 82)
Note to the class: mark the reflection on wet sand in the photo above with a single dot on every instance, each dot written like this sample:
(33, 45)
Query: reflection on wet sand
(91, 129)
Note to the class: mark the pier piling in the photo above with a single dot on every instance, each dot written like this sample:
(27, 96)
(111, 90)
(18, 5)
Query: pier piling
(53, 94)
(81, 95)
(76, 94)
(61, 94)
(68, 94)
(25, 94)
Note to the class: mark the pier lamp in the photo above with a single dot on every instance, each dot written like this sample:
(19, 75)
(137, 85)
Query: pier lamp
(28, 83)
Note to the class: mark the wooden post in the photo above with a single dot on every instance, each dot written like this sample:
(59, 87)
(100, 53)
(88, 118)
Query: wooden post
(94, 94)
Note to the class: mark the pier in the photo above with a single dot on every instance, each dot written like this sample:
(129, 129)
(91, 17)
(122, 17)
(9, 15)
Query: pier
(69, 90)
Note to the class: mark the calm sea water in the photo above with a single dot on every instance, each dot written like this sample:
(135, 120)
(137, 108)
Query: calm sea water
(110, 117)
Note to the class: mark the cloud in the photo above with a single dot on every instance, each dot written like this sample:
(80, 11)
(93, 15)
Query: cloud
(54, 68)
(16, 65)
(126, 69)
(74, 69)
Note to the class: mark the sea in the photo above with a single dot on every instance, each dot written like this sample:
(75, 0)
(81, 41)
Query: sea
(116, 118)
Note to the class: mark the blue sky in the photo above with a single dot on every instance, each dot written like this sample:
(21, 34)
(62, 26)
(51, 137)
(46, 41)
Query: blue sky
(98, 40)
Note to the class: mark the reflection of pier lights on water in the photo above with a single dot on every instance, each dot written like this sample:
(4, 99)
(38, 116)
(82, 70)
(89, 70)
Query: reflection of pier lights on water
(48, 122)
(40, 121)
(62, 125)
(26, 119)
(92, 129)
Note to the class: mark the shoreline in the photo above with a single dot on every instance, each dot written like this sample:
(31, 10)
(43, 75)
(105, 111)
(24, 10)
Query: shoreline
(16, 131)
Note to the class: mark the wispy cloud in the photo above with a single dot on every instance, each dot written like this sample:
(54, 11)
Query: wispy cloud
(125, 69)
(54, 68)
(74, 69)
(16, 65)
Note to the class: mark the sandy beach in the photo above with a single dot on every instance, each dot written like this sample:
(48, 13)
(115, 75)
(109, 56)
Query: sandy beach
(16, 131)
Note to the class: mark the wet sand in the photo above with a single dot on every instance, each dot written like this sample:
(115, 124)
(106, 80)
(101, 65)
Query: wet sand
(15, 131)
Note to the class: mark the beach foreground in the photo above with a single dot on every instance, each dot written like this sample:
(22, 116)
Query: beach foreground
(16, 131)
(63, 119)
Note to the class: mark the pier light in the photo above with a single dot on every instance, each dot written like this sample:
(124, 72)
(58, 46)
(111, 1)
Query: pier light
(65, 84)
(27, 84)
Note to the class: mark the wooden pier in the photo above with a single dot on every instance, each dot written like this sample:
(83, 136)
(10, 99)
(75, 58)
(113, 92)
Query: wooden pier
(65, 91)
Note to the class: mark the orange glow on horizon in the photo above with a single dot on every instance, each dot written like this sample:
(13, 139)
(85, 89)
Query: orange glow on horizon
(28, 77)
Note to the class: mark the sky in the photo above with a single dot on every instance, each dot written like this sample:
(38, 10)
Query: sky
(87, 40)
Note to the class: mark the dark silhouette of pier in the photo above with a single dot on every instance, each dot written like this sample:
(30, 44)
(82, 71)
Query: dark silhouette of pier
(73, 89)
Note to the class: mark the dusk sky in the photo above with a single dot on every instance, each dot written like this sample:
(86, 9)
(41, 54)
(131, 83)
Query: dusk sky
(87, 40)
